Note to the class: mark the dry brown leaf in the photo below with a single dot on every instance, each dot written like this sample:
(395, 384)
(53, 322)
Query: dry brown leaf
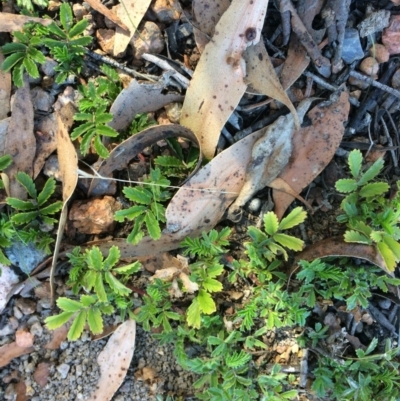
(5, 90)
(68, 161)
(102, 9)
(127, 150)
(166, 274)
(46, 141)
(20, 141)
(10, 351)
(261, 76)
(206, 15)
(190, 286)
(336, 246)
(130, 13)
(20, 390)
(195, 208)
(218, 81)
(114, 361)
(42, 373)
(313, 148)
(58, 336)
(15, 22)
(139, 98)
(23, 339)
(269, 155)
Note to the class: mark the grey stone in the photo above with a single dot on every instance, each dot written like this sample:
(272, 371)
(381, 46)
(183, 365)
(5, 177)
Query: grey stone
(63, 369)
(25, 256)
(385, 303)
(41, 99)
(352, 49)
(48, 67)
(36, 329)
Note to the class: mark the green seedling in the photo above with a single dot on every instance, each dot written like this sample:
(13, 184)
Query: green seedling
(37, 208)
(370, 216)
(91, 272)
(23, 54)
(148, 210)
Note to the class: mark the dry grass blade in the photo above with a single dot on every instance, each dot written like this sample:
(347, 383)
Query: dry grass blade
(13, 22)
(107, 13)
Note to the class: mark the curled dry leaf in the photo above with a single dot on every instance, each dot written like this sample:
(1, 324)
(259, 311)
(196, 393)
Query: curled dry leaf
(260, 74)
(167, 274)
(218, 81)
(68, 161)
(130, 13)
(57, 337)
(10, 351)
(206, 15)
(270, 154)
(5, 91)
(20, 141)
(335, 246)
(114, 361)
(127, 150)
(198, 205)
(139, 98)
(190, 286)
(14, 22)
(313, 148)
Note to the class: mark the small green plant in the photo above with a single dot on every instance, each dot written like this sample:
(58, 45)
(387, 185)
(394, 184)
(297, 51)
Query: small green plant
(367, 377)
(28, 4)
(7, 232)
(140, 123)
(66, 45)
(97, 97)
(148, 210)
(156, 308)
(34, 210)
(340, 279)
(371, 217)
(267, 245)
(23, 54)
(204, 272)
(91, 272)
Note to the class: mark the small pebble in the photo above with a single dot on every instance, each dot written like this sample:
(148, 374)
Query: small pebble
(384, 303)
(63, 369)
(254, 205)
(352, 49)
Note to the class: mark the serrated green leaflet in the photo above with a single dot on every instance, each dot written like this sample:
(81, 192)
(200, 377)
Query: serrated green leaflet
(271, 223)
(374, 189)
(294, 218)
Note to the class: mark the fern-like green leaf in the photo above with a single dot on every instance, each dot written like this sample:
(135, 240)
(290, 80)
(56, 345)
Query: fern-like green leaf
(393, 245)
(77, 326)
(293, 243)
(51, 209)
(27, 183)
(130, 213)
(112, 258)
(294, 218)
(212, 285)
(346, 185)
(271, 223)
(24, 218)
(116, 285)
(53, 322)
(193, 314)
(20, 204)
(138, 194)
(47, 191)
(355, 162)
(355, 236)
(388, 255)
(374, 189)
(78, 28)
(95, 320)
(68, 305)
(372, 172)
(237, 359)
(5, 161)
(152, 225)
(206, 303)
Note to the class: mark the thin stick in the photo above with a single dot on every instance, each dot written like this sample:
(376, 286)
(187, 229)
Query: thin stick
(113, 63)
(376, 84)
